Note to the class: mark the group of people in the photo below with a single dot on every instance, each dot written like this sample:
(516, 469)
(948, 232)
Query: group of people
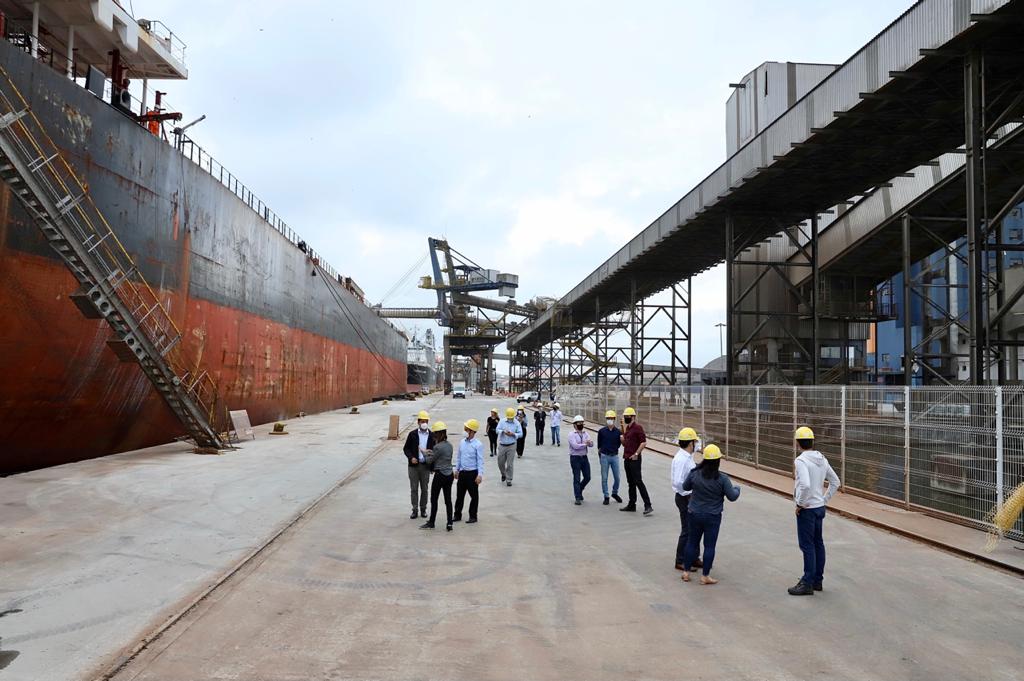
(700, 487)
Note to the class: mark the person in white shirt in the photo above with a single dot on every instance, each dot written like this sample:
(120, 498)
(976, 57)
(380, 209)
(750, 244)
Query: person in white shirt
(685, 460)
(811, 495)
(556, 425)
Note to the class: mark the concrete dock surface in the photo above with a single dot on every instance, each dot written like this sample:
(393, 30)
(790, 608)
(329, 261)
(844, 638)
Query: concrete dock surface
(100, 554)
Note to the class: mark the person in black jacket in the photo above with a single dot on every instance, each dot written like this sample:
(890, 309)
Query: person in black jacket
(492, 431)
(416, 445)
(521, 442)
(539, 417)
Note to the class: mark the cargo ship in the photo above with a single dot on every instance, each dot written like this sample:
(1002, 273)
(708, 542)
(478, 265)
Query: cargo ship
(279, 330)
(421, 360)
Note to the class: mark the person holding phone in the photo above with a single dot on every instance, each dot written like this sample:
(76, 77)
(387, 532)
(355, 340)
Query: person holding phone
(579, 446)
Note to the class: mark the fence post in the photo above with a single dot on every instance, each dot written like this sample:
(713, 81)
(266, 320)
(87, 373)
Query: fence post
(757, 427)
(999, 447)
(842, 436)
(795, 425)
(728, 409)
(906, 446)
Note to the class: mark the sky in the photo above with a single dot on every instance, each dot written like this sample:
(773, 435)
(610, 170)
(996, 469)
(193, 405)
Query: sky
(537, 137)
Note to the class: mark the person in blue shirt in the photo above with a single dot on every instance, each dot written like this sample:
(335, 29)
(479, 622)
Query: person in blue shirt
(609, 439)
(509, 434)
(469, 471)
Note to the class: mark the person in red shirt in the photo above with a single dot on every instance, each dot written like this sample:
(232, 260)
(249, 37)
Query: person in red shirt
(634, 440)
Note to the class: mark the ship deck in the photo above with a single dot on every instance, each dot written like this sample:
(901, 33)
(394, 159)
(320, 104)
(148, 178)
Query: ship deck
(294, 558)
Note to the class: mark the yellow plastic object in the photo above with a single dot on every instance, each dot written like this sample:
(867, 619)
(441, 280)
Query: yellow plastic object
(712, 452)
(610, 414)
(473, 424)
(438, 426)
(510, 412)
(630, 411)
(1005, 516)
(687, 434)
(804, 433)
(423, 416)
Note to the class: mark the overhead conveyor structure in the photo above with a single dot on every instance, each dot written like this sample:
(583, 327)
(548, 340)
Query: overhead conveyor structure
(914, 138)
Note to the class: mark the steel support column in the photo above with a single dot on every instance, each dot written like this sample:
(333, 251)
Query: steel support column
(908, 343)
(815, 294)
(974, 147)
(729, 260)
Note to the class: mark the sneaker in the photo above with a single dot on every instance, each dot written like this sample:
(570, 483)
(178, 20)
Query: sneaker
(606, 501)
(508, 484)
(578, 502)
(427, 526)
(802, 588)
(648, 510)
(818, 587)
(630, 509)
(617, 498)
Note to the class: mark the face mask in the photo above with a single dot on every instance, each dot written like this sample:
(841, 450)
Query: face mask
(579, 426)
(423, 426)
(628, 419)
(610, 422)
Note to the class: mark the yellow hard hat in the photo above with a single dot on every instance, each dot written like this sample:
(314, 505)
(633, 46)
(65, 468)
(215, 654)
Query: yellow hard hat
(630, 411)
(494, 411)
(610, 414)
(687, 434)
(472, 424)
(423, 416)
(438, 427)
(712, 452)
(510, 412)
(804, 433)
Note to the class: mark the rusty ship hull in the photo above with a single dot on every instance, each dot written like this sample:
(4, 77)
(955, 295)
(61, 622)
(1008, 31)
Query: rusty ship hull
(270, 331)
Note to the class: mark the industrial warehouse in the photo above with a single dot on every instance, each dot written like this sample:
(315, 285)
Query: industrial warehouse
(626, 457)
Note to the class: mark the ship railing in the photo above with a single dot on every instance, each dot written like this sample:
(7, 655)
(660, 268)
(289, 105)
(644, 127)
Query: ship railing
(171, 42)
(149, 316)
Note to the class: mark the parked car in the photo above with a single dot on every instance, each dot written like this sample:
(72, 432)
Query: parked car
(529, 396)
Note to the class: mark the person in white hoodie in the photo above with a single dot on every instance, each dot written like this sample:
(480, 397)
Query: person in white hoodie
(811, 495)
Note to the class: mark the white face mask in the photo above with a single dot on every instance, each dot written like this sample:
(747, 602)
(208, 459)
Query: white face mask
(610, 422)
(423, 426)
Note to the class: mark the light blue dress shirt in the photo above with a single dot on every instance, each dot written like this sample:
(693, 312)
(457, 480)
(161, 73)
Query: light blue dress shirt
(471, 456)
(509, 424)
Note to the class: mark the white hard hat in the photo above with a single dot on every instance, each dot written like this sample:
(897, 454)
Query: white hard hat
(578, 419)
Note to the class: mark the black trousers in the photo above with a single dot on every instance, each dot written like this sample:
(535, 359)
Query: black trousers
(493, 437)
(635, 478)
(540, 434)
(441, 483)
(520, 445)
(467, 483)
(683, 504)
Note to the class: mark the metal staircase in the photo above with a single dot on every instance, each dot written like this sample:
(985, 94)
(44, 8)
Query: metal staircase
(112, 288)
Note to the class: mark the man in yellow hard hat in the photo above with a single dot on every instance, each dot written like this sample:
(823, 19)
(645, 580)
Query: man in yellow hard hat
(509, 432)
(609, 439)
(634, 441)
(810, 494)
(469, 471)
(416, 445)
(685, 460)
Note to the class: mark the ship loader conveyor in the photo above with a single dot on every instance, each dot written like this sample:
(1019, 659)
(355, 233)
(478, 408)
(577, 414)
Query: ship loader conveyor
(112, 287)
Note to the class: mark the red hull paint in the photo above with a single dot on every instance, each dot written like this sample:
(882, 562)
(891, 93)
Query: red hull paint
(65, 396)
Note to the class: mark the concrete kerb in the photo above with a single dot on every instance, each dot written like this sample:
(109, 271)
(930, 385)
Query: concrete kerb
(109, 671)
(782, 486)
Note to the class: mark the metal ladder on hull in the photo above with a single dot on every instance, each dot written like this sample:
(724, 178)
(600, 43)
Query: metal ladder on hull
(112, 288)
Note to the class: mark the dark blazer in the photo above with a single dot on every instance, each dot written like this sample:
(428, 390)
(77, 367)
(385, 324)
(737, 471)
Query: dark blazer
(412, 446)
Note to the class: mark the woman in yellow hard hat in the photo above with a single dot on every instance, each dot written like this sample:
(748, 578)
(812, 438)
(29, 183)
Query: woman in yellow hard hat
(685, 460)
(440, 458)
(710, 488)
(469, 471)
(492, 430)
(416, 445)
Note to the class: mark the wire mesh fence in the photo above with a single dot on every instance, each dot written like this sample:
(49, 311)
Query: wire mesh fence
(955, 451)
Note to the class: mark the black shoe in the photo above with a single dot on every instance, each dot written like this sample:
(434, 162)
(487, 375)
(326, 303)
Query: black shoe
(492, 454)
(457, 519)
(802, 588)
(508, 484)
(520, 456)
(448, 527)
(617, 498)
(648, 510)
(423, 513)
(817, 587)
(413, 515)
(503, 478)
(427, 526)
(630, 509)
(579, 502)
(606, 501)
(471, 521)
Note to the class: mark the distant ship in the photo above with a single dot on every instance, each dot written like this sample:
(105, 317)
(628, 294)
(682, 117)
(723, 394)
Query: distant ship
(421, 359)
(277, 337)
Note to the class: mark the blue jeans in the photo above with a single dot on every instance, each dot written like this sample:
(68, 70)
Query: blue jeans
(609, 461)
(700, 525)
(555, 439)
(812, 544)
(580, 466)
